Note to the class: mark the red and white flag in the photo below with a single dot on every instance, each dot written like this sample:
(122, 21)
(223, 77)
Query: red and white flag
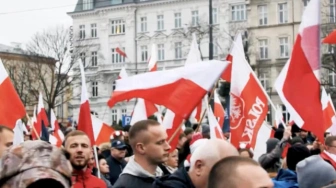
(194, 56)
(102, 132)
(121, 52)
(123, 73)
(142, 110)
(84, 119)
(332, 129)
(172, 123)
(249, 105)
(215, 128)
(180, 89)
(11, 106)
(152, 62)
(58, 134)
(328, 111)
(298, 84)
(219, 111)
(41, 117)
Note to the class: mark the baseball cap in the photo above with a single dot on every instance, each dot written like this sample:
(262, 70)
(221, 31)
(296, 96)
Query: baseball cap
(118, 144)
(32, 161)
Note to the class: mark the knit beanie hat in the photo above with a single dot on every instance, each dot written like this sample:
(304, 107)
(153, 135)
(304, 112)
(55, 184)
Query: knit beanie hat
(295, 154)
(271, 143)
(314, 172)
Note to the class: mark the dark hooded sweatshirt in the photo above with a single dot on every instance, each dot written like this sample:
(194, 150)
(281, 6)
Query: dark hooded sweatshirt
(179, 178)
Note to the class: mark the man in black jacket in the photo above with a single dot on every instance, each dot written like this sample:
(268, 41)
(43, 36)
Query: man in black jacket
(116, 160)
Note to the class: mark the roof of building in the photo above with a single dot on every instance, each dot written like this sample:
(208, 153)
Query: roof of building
(104, 3)
(13, 50)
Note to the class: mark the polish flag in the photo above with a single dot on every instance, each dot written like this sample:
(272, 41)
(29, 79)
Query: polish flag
(180, 89)
(58, 134)
(152, 64)
(332, 129)
(328, 111)
(194, 56)
(142, 110)
(11, 107)
(120, 52)
(101, 131)
(172, 123)
(227, 73)
(41, 117)
(298, 84)
(84, 119)
(123, 73)
(218, 110)
(215, 128)
(262, 136)
(248, 105)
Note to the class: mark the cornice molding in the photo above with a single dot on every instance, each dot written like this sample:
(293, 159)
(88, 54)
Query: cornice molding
(127, 7)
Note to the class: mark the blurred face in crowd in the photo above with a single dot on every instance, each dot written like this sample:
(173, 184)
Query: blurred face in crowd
(253, 176)
(156, 148)
(6, 140)
(91, 160)
(173, 159)
(79, 148)
(331, 148)
(118, 154)
(181, 141)
(103, 166)
(303, 134)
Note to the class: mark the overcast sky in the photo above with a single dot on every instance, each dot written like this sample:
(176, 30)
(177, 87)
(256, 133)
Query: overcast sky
(20, 19)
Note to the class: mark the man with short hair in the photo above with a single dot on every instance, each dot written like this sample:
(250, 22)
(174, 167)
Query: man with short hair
(6, 138)
(236, 172)
(329, 153)
(148, 140)
(202, 160)
(78, 145)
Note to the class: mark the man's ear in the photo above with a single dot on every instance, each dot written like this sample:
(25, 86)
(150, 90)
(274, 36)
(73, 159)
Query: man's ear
(140, 148)
(199, 167)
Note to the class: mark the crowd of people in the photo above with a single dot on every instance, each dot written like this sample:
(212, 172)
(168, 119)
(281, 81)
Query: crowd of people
(140, 156)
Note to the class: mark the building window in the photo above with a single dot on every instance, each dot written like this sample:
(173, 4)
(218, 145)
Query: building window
(94, 59)
(332, 11)
(117, 27)
(194, 18)
(178, 20)
(264, 81)
(285, 114)
(305, 2)
(143, 21)
(123, 112)
(284, 47)
(94, 89)
(238, 12)
(263, 49)
(262, 11)
(283, 13)
(115, 2)
(215, 48)
(161, 52)
(116, 57)
(331, 78)
(59, 111)
(144, 53)
(178, 50)
(93, 30)
(114, 113)
(113, 85)
(87, 4)
(215, 15)
(82, 57)
(82, 31)
(160, 23)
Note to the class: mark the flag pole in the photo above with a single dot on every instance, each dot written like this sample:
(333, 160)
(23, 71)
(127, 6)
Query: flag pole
(34, 130)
